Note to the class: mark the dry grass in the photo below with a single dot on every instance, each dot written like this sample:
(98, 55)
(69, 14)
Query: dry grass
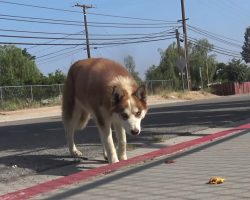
(188, 95)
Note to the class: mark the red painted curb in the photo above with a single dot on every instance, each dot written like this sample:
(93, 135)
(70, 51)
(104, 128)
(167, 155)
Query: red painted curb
(86, 175)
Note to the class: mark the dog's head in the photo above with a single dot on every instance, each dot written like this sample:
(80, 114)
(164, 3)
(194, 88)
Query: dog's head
(129, 107)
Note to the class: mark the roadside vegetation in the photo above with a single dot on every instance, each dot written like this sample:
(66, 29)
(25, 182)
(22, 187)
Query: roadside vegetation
(18, 68)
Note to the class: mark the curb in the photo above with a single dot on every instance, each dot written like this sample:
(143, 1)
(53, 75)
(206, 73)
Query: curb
(82, 176)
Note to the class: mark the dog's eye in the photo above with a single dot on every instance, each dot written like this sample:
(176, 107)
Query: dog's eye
(124, 116)
(138, 114)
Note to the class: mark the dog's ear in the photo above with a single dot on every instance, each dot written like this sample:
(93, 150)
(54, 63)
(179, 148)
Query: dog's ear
(141, 93)
(117, 95)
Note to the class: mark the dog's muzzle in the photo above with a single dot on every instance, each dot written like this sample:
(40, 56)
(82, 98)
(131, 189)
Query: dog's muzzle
(135, 131)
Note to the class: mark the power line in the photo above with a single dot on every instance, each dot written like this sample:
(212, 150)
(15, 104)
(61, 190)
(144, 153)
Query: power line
(38, 32)
(41, 38)
(66, 36)
(40, 44)
(93, 39)
(204, 33)
(128, 41)
(35, 6)
(39, 18)
(92, 13)
(122, 40)
(52, 53)
(41, 22)
(215, 47)
(60, 55)
(100, 44)
(106, 45)
(81, 33)
(135, 18)
(102, 23)
(78, 24)
(218, 35)
(218, 49)
(155, 35)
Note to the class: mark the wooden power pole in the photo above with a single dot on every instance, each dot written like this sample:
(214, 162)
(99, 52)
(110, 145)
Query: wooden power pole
(177, 34)
(184, 27)
(84, 7)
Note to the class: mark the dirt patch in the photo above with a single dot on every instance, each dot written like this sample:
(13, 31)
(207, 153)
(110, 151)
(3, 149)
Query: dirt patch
(56, 110)
(189, 95)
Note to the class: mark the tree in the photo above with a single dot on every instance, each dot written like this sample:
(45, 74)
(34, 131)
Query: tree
(58, 77)
(236, 71)
(28, 55)
(153, 73)
(246, 47)
(199, 59)
(248, 74)
(17, 66)
(220, 74)
(130, 66)
(203, 64)
(166, 70)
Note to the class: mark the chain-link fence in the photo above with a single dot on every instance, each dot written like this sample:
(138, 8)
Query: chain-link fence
(157, 86)
(13, 97)
(38, 95)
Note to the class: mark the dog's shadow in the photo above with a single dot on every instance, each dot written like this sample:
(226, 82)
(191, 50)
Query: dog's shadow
(25, 165)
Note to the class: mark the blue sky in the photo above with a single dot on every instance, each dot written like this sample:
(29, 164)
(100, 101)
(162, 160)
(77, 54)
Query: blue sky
(228, 18)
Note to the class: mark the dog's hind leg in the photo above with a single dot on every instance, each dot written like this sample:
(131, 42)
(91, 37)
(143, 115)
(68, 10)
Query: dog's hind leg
(84, 118)
(78, 120)
(121, 140)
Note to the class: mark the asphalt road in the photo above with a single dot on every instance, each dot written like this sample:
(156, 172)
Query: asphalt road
(34, 146)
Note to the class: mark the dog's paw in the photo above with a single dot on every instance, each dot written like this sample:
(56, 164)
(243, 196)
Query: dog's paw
(76, 153)
(122, 157)
(105, 158)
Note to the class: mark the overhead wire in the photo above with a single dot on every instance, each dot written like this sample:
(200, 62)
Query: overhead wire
(41, 59)
(36, 6)
(93, 39)
(219, 50)
(81, 33)
(39, 32)
(91, 13)
(90, 22)
(216, 37)
(118, 40)
(105, 45)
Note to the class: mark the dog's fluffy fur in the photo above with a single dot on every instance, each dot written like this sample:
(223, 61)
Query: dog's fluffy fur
(105, 90)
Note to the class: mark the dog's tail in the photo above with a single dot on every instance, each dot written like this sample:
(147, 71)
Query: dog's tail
(68, 101)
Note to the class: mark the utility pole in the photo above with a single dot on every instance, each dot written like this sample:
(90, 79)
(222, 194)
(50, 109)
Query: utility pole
(177, 34)
(184, 27)
(84, 7)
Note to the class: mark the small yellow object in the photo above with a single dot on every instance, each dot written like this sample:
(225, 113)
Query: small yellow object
(216, 180)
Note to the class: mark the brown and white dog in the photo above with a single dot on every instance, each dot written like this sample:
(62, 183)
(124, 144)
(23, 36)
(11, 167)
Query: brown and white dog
(105, 90)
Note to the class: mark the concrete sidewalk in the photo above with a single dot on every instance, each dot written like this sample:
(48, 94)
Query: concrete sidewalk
(180, 176)
(179, 171)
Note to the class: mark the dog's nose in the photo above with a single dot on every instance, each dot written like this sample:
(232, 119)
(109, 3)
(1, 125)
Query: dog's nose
(135, 131)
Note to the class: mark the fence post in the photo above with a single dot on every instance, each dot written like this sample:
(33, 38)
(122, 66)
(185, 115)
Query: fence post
(151, 85)
(31, 93)
(59, 86)
(1, 94)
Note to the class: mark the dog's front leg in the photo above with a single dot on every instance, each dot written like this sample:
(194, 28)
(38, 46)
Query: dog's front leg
(122, 141)
(107, 140)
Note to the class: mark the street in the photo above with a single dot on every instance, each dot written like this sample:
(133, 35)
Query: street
(36, 146)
